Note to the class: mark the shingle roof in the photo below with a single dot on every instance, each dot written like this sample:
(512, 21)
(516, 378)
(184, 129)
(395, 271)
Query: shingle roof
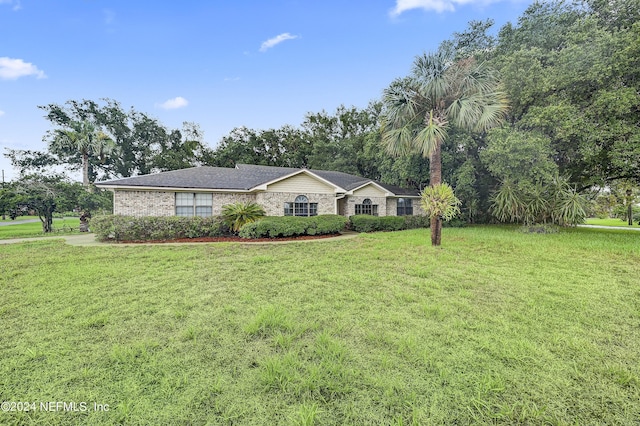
(242, 178)
(204, 177)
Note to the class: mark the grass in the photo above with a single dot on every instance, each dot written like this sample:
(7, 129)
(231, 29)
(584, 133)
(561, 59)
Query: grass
(496, 327)
(610, 222)
(17, 219)
(61, 226)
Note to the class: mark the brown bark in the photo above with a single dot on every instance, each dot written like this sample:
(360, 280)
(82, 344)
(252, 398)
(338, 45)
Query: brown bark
(85, 170)
(435, 178)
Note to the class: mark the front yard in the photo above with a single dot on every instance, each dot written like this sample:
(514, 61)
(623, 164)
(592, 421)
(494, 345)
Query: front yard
(496, 327)
(61, 226)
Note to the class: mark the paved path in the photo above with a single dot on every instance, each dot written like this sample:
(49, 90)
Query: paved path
(19, 222)
(625, 228)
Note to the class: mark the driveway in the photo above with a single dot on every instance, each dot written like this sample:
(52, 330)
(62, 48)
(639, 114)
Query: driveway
(624, 228)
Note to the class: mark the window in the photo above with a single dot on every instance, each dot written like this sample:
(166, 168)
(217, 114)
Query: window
(405, 208)
(301, 207)
(367, 208)
(190, 204)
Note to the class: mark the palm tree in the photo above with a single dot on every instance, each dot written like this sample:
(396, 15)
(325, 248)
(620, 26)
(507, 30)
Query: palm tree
(84, 138)
(440, 92)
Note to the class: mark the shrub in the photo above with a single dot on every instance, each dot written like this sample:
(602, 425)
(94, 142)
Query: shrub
(544, 202)
(454, 223)
(148, 228)
(367, 223)
(413, 222)
(292, 226)
(238, 214)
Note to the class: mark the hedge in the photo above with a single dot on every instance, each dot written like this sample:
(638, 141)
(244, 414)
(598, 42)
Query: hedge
(292, 226)
(367, 223)
(149, 228)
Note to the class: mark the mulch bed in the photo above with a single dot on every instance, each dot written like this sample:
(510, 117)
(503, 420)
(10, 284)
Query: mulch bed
(232, 239)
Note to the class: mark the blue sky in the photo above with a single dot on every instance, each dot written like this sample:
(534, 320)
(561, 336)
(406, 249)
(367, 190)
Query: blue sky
(221, 64)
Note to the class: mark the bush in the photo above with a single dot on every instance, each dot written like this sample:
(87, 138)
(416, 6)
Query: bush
(367, 223)
(454, 223)
(413, 222)
(149, 228)
(292, 226)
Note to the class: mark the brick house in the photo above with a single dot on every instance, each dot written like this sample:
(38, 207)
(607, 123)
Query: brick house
(281, 191)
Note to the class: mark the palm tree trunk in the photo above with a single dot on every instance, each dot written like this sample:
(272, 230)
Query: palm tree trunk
(85, 170)
(435, 178)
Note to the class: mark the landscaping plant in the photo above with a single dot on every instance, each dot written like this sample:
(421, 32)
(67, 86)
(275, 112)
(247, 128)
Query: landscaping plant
(439, 201)
(236, 215)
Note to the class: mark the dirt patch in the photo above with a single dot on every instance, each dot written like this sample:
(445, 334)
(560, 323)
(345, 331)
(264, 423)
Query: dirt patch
(232, 239)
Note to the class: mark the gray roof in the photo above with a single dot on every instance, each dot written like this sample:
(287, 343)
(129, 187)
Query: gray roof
(243, 177)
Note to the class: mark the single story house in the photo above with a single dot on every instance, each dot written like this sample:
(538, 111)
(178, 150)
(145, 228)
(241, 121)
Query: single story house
(281, 191)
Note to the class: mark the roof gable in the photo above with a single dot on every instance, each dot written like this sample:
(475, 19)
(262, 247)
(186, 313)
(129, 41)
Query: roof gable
(371, 188)
(312, 181)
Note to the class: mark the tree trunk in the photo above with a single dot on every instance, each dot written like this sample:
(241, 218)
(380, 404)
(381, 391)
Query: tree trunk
(47, 222)
(85, 170)
(435, 178)
(630, 207)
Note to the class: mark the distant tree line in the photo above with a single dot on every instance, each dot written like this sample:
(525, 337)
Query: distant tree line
(569, 70)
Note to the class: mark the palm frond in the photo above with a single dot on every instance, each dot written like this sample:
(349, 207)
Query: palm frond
(398, 141)
(430, 136)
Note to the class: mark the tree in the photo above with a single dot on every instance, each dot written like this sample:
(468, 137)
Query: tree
(571, 71)
(84, 138)
(181, 149)
(141, 145)
(442, 92)
(626, 195)
(45, 195)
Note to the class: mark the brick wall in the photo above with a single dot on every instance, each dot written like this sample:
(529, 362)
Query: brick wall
(220, 199)
(273, 202)
(358, 199)
(161, 203)
(144, 203)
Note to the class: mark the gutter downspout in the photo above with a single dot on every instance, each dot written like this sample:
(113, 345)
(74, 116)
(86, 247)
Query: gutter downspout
(336, 203)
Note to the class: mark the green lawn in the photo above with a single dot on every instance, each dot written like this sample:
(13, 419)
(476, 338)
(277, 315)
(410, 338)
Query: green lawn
(17, 219)
(610, 222)
(496, 327)
(61, 226)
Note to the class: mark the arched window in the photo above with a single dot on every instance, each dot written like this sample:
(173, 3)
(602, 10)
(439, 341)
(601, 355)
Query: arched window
(367, 207)
(301, 207)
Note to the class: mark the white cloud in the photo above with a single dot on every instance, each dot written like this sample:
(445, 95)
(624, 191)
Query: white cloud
(12, 69)
(16, 4)
(232, 79)
(276, 40)
(435, 5)
(175, 103)
(1, 113)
